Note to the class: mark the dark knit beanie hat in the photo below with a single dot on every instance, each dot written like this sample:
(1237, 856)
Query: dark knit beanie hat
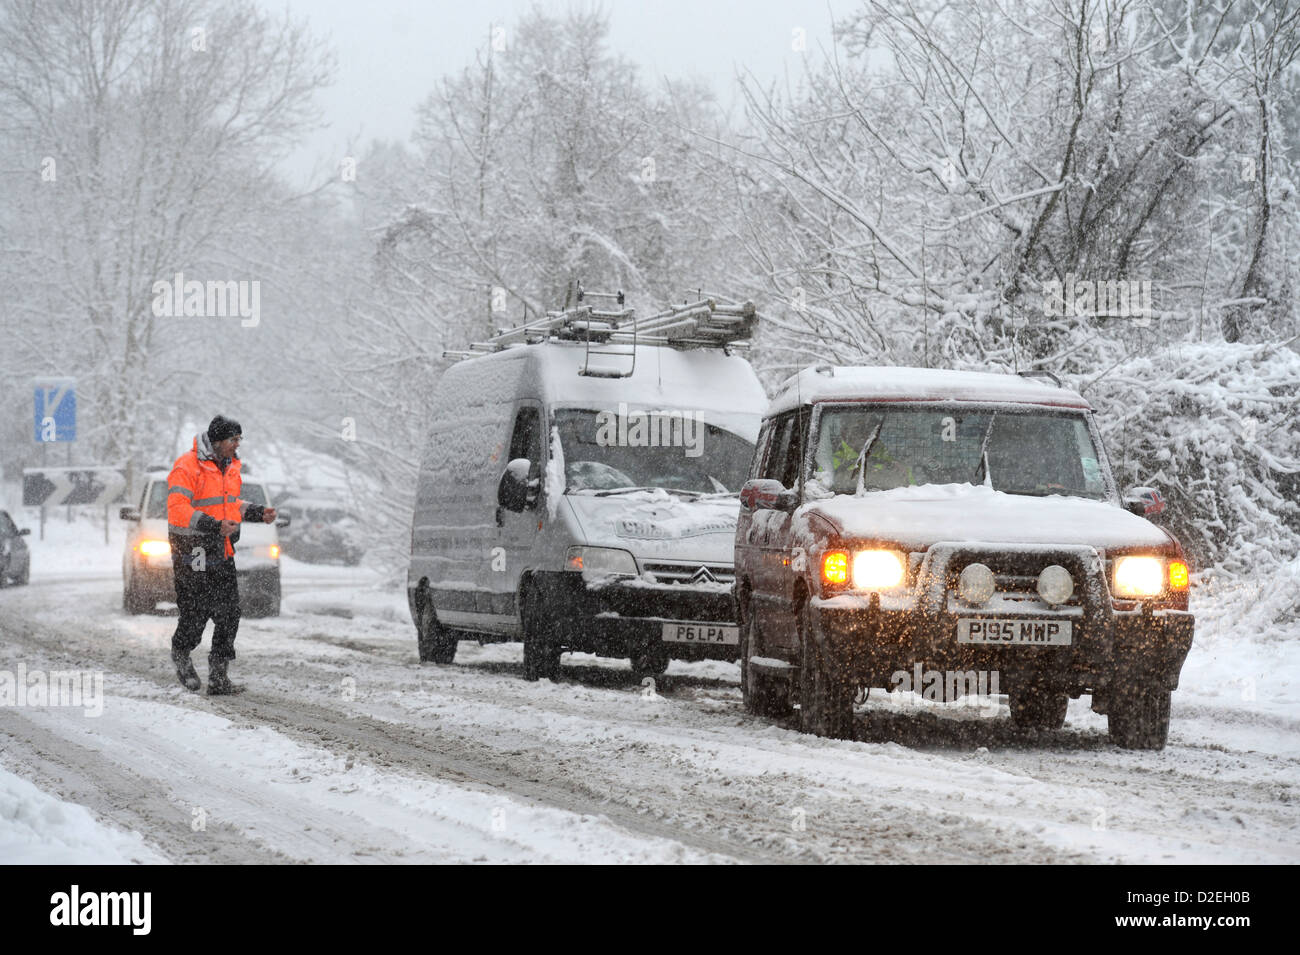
(222, 428)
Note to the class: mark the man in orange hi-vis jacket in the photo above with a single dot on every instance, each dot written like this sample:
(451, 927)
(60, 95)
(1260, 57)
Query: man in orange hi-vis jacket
(203, 517)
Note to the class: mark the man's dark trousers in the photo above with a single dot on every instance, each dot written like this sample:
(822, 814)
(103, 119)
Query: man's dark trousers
(203, 595)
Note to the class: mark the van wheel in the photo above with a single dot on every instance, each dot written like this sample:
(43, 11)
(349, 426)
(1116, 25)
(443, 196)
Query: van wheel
(652, 662)
(1138, 717)
(437, 644)
(541, 648)
(825, 697)
(1033, 708)
(764, 694)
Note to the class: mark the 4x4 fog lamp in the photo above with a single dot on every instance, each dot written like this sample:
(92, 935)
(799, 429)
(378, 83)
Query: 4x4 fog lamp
(1055, 585)
(976, 584)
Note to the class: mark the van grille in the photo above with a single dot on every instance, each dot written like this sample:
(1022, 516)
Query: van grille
(685, 572)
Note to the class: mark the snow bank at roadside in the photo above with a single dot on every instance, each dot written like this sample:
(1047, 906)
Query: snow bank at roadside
(39, 829)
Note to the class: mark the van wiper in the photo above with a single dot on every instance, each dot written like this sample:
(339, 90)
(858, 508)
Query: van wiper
(629, 490)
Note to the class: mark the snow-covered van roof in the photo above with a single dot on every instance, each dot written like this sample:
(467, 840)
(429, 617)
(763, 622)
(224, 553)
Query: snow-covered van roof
(705, 379)
(864, 383)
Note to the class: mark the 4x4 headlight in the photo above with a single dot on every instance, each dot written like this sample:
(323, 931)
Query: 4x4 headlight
(877, 569)
(1139, 576)
(601, 562)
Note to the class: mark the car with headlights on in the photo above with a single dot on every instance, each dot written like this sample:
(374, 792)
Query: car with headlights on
(900, 520)
(147, 562)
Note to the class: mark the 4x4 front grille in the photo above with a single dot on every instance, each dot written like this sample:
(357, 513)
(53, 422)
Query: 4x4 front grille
(1015, 575)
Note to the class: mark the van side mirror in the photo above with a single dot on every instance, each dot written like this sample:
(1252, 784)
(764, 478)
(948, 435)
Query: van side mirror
(129, 513)
(768, 495)
(515, 492)
(282, 520)
(1143, 501)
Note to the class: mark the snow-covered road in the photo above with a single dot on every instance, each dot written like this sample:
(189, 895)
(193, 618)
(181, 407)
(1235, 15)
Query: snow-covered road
(345, 749)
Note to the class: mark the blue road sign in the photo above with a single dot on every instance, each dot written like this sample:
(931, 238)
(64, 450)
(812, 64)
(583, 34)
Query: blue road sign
(55, 405)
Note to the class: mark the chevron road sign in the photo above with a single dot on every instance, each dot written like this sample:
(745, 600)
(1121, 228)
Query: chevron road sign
(52, 487)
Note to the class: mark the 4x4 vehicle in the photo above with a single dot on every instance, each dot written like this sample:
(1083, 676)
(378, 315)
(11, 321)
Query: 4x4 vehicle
(147, 561)
(958, 521)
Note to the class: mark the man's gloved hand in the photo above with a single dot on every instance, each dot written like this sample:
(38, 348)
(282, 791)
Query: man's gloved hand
(268, 515)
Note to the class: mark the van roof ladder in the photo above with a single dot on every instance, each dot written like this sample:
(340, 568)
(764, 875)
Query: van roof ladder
(705, 323)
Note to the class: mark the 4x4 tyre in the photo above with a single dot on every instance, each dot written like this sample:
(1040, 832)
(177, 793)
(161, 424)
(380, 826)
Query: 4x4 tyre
(764, 694)
(1034, 708)
(825, 698)
(1138, 717)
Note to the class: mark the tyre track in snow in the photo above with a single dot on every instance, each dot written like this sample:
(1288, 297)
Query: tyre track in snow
(672, 799)
(417, 751)
(130, 801)
(589, 745)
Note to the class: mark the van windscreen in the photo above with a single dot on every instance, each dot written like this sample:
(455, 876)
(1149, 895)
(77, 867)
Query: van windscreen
(670, 449)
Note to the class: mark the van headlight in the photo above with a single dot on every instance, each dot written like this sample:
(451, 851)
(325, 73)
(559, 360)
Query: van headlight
(1139, 576)
(596, 562)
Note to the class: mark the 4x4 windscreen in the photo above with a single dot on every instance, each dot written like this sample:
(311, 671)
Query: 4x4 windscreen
(675, 451)
(1027, 452)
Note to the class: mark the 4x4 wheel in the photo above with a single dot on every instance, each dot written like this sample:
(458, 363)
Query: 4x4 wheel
(1138, 717)
(541, 648)
(764, 694)
(1036, 708)
(436, 643)
(825, 697)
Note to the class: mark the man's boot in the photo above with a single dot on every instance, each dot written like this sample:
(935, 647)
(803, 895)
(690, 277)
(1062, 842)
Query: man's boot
(185, 671)
(219, 681)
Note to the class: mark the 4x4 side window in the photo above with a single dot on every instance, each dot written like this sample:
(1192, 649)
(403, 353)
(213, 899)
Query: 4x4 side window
(760, 450)
(774, 460)
(792, 460)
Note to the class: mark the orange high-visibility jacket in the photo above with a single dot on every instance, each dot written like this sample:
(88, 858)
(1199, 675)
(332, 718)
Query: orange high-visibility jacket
(200, 495)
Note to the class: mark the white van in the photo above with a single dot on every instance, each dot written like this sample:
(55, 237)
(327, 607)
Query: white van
(579, 489)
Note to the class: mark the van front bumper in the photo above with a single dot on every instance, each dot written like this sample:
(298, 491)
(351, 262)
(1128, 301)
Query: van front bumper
(626, 618)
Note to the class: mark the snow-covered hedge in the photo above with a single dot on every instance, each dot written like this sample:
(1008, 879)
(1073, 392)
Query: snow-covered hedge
(1216, 427)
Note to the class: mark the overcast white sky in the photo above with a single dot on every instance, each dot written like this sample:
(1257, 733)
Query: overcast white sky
(390, 52)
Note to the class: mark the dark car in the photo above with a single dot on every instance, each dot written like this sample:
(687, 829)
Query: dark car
(323, 531)
(15, 557)
(900, 521)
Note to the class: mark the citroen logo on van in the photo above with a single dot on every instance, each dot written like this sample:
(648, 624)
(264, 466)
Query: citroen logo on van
(703, 576)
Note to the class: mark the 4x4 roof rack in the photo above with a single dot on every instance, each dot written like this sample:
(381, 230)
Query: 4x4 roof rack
(704, 323)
